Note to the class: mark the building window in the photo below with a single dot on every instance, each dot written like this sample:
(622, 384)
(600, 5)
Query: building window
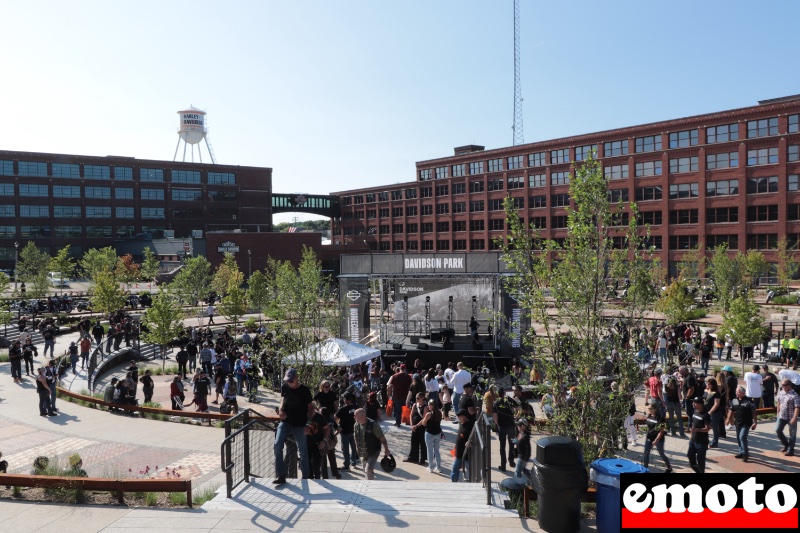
(683, 164)
(347, 200)
(721, 215)
(33, 169)
(616, 172)
(187, 195)
(496, 204)
(683, 242)
(442, 209)
(620, 219)
(384, 229)
(682, 139)
(515, 162)
(7, 189)
(96, 232)
(411, 211)
(383, 212)
(412, 228)
(649, 218)
(29, 189)
(476, 225)
(559, 178)
(476, 168)
(34, 232)
(442, 245)
(517, 182)
(426, 210)
(722, 134)
(443, 227)
(648, 144)
(765, 127)
(497, 224)
(537, 201)
(96, 172)
(793, 154)
(397, 212)
(722, 188)
(762, 156)
(559, 200)
(413, 245)
(440, 173)
(518, 202)
(186, 213)
(617, 195)
(459, 225)
(762, 185)
(425, 174)
(537, 180)
(151, 194)
(459, 207)
(442, 190)
(98, 193)
(459, 188)
(8, 211)
(731, 242)
(359, 215)
(496, 165)
(476, 206)
(123, 193)
(71, 232)
(537, 160)
(460, 244)
(477, 244)
(6, 168)
(185, 176)
(427, 245)
(559, 156)
(683, 190)
(648, 168)
(383, 196)
(582, 153)
(644, 194)
(764, 241)
(123, 173)
(152, 212)
(793, 123)
(8, 232)
(458, 170)
(558, 222)
(397, 228)
(397, 195)
(123, 231)
(725, 160)
(791, 182)
(495, 184)
(615, 148)
(370, 198)
(124, 212)
(221, 178)
(99, 211)
(762, 213)
(43, 211)
(385, 245)
(539, 222)
(475, 186)
(66, 170)
(151, 174)
(426, 192)
(371, 214)
(653, 242)
(683, 216)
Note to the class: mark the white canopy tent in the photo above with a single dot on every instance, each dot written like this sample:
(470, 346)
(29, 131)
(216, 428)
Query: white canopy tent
(333, 352)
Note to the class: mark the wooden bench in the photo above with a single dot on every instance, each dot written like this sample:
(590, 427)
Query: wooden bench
(117, 486)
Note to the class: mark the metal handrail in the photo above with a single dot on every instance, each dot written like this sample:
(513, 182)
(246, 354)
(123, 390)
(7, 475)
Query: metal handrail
(479, 454)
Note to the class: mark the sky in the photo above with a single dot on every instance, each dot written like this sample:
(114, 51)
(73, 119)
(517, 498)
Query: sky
(349, 94)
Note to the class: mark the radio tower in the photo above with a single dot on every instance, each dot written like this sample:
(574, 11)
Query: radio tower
(519, 136)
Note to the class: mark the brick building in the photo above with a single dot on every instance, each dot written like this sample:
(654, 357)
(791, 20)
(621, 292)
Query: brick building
(727, 177)
(85, 202)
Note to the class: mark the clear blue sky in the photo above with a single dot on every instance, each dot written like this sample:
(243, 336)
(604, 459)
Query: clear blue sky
(348, 94)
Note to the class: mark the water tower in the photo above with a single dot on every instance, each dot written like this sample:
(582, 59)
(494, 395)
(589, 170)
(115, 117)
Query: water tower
(192, 131)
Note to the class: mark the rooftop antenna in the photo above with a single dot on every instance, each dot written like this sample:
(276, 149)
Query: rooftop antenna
(516, 128)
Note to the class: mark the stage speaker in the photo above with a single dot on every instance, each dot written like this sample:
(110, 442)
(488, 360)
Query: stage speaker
(448, 345)
(477, 346)
(436, 335)
(414, 340)
(422, 346)
(396, 346)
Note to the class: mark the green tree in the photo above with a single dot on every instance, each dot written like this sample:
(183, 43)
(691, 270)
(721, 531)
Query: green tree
(126, 269)
(5, 313)
(575, 284)
(786, 268)
(675, 302)
(193, 282)
(32, 268)
(692, 263)
(164, 321)
(63, 264)
(727, 275)
(258, 292)
(97, 260)
(753, 266)
(150, 264)
(108, 295)
(234, 306)
(743, 322)
(227, 275)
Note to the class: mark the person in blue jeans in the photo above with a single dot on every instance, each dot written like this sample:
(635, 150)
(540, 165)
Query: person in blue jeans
(297, 407)
(465, 424)
(345, 417)
(743, 413)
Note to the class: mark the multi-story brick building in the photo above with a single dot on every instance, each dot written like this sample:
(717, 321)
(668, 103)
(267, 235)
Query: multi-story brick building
(57, 200)
(728, 177)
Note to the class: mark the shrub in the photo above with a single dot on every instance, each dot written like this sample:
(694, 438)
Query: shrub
(784, 300)
(695, 314)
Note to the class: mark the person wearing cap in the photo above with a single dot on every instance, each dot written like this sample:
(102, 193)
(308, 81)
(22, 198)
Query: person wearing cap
(743, 412)
(753, 381)
(73, 356)
(468, 401)
(503, 416)
(297, 407)
(788, 402)
(699, 424)
(397, 388)
(147, 386)
(465, 425)
(656, 433)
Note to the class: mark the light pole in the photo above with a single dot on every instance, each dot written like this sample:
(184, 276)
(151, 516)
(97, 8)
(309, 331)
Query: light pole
(249, 263)
(16, 262)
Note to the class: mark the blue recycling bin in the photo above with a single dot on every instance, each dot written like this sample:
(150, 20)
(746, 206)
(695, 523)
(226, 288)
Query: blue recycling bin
(605, 473)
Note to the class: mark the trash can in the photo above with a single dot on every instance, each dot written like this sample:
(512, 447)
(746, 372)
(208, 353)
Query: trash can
(560, 479)
(605, 473)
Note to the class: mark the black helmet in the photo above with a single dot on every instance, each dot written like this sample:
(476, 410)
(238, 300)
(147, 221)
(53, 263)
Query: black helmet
(388, 464)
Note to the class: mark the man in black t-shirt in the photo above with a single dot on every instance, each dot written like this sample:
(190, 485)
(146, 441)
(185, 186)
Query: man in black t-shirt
(503, 414)
(297, 407)
(465, 425)
(467, 401)
(345, 417)
(743, 413)
(699, 424)
(689, 390)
